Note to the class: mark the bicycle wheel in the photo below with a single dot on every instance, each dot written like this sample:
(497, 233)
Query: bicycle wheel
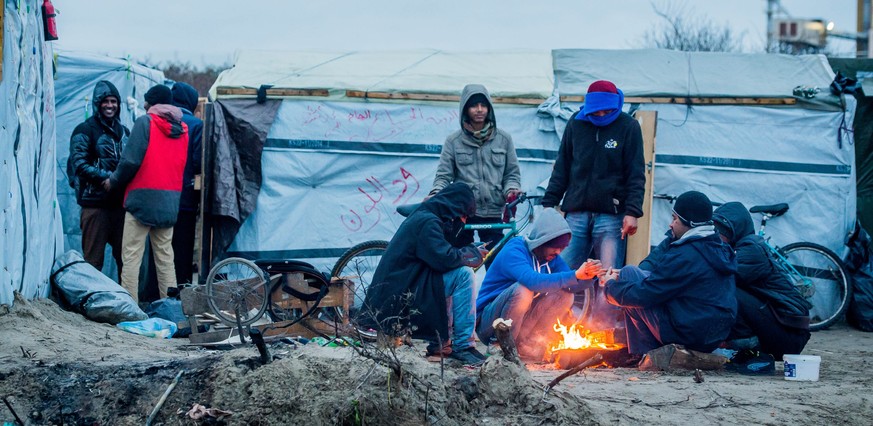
(825, 283)
(357, 265)
(582, 305)
(236, 290)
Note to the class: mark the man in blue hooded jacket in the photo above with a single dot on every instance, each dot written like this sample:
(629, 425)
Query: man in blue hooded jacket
(688, 298)
(528, 284)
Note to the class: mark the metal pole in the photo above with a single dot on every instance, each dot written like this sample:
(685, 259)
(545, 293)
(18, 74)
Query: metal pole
(771, 5)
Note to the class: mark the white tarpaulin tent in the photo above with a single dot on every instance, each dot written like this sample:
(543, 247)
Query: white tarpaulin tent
(736, 141)
(28, 202)
(367, 138)
(76, 75)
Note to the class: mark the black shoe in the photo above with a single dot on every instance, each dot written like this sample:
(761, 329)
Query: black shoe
(469, 356)
(434, 350)
(752, 363)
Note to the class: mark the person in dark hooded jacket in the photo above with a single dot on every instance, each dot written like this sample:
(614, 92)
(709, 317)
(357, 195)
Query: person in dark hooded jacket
(186, 98)
(421, 269)
(95, 150)
(151, 170)
(688, 298)
(770, 308)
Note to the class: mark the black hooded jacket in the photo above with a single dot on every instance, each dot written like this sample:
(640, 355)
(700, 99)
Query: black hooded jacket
(407, 286)
(756, 272)
(95, 149)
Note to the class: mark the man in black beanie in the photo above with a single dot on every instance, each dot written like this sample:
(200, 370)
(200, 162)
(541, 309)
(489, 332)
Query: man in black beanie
(688, 295)
(151, 170)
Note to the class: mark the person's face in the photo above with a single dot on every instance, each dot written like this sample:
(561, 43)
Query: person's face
(724, 239)
(109, 107)
(602, 113)
(477, 113)
(463, 219)
(547, 254)
(677, 227)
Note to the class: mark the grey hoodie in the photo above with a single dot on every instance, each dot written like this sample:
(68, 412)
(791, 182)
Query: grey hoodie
(490, 169)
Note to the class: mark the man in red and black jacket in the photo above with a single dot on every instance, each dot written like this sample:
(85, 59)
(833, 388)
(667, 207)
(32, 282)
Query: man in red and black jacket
(151, 168)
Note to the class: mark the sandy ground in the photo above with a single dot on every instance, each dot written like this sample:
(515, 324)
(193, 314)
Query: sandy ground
(57, 367)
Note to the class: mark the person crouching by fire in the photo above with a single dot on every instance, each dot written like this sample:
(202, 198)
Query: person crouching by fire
(528, 283)
(421, 271)
(688, 295)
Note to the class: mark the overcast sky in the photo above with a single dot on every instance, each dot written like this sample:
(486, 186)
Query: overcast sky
(208, 32)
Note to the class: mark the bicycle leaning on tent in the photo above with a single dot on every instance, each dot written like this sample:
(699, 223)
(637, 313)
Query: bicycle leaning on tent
(816, 271)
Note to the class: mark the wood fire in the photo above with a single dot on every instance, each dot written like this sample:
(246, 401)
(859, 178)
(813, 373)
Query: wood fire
(577, 345)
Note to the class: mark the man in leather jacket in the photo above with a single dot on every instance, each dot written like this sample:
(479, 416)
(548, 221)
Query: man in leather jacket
(95, 149)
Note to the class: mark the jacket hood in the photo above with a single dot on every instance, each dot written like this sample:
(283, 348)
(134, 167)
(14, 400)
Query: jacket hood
(736, 219)
(452, 202)
(102, 90)
(185, 96)
(469, 91)
(547, 226)
(168, 119)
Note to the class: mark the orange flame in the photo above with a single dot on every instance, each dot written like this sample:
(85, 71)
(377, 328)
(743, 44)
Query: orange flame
(576, 337)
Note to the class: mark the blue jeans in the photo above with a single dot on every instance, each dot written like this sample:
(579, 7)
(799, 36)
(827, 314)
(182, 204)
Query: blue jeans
(599, 233)
(596, 235)
(532, 316)
(462, 311)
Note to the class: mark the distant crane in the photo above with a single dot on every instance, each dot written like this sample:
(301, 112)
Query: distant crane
(811, 35)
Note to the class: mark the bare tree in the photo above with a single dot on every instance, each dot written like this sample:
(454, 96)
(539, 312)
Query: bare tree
(680, 31)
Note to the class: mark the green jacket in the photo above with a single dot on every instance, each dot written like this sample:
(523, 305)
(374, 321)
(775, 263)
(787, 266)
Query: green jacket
(491, 169)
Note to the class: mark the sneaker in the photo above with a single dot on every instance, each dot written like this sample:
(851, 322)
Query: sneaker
(469, 356)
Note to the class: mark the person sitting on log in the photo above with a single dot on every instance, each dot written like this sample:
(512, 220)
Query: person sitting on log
(528, 283)
(688, 295)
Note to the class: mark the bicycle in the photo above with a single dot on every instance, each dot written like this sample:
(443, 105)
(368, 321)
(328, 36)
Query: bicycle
(816, 271)
(240, 291)
(359, 262)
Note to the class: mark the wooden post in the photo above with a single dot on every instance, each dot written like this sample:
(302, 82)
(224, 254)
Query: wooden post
(638, 245)
(503, 332)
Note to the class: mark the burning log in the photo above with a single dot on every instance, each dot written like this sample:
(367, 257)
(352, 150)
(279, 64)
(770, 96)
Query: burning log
(503, 332)
(596, 359)
(578, 344)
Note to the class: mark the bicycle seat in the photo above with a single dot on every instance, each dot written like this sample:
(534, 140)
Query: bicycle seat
(282, 265)
(774, 210)
(406, 209)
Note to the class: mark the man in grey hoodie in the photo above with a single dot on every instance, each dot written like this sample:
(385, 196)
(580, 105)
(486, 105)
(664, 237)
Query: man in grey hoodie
(482, 156)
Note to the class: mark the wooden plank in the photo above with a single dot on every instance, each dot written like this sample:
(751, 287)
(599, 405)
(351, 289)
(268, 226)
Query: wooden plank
(413, 96)
(638, 245)
(696, 100)
(339, 293)
(238, 91)
(279, 329)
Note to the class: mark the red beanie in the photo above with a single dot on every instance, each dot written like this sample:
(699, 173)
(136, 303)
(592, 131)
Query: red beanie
(602, 86)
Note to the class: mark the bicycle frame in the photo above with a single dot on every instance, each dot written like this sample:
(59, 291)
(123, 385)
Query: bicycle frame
(803, 284)
(511, 225)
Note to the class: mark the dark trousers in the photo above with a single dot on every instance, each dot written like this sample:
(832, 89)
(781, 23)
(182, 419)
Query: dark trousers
(756, 318)
(100, 227)
(183, 245)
